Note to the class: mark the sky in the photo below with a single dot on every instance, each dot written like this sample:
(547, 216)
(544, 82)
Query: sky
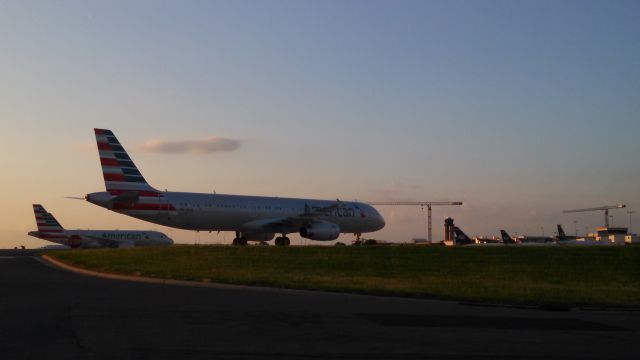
(520, 109)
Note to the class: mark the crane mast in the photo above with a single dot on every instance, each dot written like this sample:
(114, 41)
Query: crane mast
(423, 204)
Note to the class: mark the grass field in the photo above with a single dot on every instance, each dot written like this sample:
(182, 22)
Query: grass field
(599, 276)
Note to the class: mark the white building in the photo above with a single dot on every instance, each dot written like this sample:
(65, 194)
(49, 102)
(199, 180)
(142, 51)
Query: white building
(616, 236)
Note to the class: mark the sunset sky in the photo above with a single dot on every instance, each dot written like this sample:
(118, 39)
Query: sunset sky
(520, 109)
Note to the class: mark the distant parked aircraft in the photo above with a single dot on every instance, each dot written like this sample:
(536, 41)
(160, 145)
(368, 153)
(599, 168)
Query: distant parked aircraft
(50, 229)
(252, 218)
(506, 238)
(562, 237)
(485, 240)
(525, 239)
(462, 238)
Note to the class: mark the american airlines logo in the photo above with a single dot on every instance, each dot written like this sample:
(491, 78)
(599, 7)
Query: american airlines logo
(121, 236)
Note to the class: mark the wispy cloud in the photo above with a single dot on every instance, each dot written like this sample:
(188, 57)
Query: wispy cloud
(208, 145)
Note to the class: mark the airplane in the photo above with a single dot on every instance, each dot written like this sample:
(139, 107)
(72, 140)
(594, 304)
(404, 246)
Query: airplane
(49, 229)
(506, 238)
(526, 240)
(486, 240)
(564, 237)
(461, 237)
(252, 218)
(530, 239)
(464, 239)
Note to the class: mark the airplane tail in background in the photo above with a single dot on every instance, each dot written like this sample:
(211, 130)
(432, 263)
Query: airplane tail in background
(48, 227)
(506, 238)
(461, 237)
(561, 233)
(120, 173)
(45, 221)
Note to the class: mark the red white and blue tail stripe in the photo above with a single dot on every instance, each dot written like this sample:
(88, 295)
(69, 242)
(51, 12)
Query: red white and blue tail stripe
(119, 171)
(123, 180)
(48, 227)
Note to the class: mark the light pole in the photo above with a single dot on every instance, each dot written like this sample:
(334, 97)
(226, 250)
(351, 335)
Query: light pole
(542, 228)
(611, 217)
(575, 226)
(630, 212)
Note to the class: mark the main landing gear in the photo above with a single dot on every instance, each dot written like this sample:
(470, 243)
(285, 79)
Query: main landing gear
(282, 241)
(357, 241)
(239, 240)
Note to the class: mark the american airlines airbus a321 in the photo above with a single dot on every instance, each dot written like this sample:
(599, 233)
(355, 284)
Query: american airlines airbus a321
(252, 218)
(50, 229)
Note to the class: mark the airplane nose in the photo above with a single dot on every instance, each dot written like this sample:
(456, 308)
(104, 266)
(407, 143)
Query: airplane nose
(380, 221)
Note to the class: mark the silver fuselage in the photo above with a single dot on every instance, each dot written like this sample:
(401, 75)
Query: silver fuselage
(105, 238)
(217, 212)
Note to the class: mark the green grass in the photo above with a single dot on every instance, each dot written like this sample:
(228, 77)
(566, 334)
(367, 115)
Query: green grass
(599, 276)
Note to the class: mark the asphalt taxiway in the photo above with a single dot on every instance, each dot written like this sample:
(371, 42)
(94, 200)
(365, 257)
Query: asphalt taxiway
(48, 313)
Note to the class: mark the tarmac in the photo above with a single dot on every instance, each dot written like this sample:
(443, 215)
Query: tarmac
(50, 313)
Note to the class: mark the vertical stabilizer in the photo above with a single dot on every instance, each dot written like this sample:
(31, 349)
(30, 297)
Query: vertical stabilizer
(45, 221)
(561, 234)
(462, 238)
(506, 238)
(120, 173)
(48, 227)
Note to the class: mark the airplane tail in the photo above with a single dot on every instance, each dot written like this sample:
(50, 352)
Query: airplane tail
(561, 233)
(506, 238)
(461, 237)
(48, 227)
(120, 173)
(45, 220)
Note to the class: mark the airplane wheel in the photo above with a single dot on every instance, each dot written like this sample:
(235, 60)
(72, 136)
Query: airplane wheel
(242, 241)
(286, 241)
(278, 241)
(235, 241)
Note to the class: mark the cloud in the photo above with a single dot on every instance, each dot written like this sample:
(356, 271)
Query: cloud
(208, 145)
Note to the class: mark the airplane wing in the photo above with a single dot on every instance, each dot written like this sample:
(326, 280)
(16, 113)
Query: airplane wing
(314, 212)
(291, 223)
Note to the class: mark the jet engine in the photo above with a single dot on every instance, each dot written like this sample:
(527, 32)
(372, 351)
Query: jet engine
(321, 231)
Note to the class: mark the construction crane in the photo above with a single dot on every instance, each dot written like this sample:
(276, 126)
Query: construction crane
(422, 204)
(600, 208)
